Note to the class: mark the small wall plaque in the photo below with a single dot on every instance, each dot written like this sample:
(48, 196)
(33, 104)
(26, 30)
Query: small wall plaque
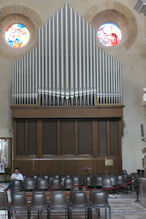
(109, 162)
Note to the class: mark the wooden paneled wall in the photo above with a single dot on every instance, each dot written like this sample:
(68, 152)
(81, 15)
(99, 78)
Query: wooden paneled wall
(67, 145)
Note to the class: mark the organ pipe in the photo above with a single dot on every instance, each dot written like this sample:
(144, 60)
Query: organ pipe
(66, 67)
(71, 57)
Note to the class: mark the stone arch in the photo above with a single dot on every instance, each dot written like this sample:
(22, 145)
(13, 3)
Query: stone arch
(18, 14)
(115, 13)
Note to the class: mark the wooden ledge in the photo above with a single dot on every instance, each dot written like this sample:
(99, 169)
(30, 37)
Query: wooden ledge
(98, 111)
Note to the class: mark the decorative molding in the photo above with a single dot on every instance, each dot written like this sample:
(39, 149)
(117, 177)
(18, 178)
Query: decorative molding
(141, 6)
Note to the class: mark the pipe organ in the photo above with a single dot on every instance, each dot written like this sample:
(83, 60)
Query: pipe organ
(67, 102)
(67, 68)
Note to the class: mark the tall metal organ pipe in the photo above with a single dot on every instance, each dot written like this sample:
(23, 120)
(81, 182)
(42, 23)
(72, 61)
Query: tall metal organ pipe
(67, 68)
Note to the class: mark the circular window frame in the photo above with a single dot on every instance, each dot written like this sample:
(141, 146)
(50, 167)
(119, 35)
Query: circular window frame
(8, 31)
(14, 19)
(18, 14)
(111, 16)
(114, 25)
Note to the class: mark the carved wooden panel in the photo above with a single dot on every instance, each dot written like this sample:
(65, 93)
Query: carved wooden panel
(85, 137)
(20, 137)
(67, 136)
(49, 136)
(32, 137)
(102, 139)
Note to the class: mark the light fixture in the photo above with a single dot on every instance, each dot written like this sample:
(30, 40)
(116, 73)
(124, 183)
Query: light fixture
(141, 6)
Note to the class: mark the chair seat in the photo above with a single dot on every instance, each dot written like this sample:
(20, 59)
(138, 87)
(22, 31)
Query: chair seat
(39, 207)
(58, 207)
(19, 208)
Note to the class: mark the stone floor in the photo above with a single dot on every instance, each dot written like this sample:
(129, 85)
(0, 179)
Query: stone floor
(123, 206)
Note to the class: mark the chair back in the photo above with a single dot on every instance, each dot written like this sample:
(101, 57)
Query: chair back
(106, 182)
(124, 172)
(113, 180)
(68, 183)
(78, 199)
(67, 176)
(3, 201)
(120, 179)
(58, 199)
(89, 181)
(29, 184)
(98, 181)
(19, 200)
(35, 177)
(55, 183)
(46, 177)
(91, 194)
(17, 185)
(42, 184)
(50, 180)
(75, 180)
(57, 176)
(99, 198)
(39, 199)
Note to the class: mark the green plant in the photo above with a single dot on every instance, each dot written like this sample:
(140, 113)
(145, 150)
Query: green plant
(7, 170)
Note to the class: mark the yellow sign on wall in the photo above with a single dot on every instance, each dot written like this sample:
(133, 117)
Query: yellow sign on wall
(109, 162)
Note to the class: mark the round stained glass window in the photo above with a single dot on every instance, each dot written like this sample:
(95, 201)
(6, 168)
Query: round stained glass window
(17, 35)
(109, 34)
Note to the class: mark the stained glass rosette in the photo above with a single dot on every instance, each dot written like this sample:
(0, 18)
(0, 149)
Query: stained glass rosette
(17, 35)
(109, 34)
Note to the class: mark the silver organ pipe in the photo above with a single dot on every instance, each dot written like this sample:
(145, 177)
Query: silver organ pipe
(25, 80)
(46, 64)
(94, 67)
(100, 76)
(113, 73)
(91, 67)
(62, 55)
(50, 62)
(33, 72)
(36, 75)
(97, 76)
(121, 84)
(87, 63)
(30, 68)
(71, 57)
(106, 79)
(42, 63)
(53, 61)
(84, 63)
(39, 66)
(80, 60)
(66, 67)
(57, 59)
(76, 57)
(109, 76)
(118, 82)
(103, 76)
(13, 84)
(116, 91)
(66, 54)
(20, 83)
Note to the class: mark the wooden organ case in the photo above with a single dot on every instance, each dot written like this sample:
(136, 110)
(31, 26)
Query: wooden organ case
(67, 102)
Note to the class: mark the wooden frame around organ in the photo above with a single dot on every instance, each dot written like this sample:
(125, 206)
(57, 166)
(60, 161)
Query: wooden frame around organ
(64, 164)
